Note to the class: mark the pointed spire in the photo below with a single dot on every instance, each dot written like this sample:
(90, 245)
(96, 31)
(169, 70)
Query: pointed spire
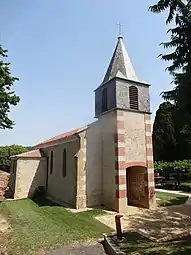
(120, 65)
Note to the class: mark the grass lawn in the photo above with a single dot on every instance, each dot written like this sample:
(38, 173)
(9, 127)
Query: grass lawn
(42, 225)
(136, 244)
(46, 226)
(168, 199)
(188, 183)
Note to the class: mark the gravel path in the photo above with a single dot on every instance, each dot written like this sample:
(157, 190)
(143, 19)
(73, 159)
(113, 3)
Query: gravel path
(88, 249)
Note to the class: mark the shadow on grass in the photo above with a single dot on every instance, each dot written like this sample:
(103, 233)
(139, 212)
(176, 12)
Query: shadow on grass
(163, 223)
(42, 201)
(134, 243)
(173, 201)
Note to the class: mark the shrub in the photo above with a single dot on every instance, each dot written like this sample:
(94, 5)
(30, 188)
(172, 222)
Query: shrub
(39, 192)
(174, 173)
(185, 188)
(173, 167)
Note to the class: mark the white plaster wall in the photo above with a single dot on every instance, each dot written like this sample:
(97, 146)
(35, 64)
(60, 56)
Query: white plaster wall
(107, 124)
(63, 189)
(93, 167)
(135, 137)
(30, 174)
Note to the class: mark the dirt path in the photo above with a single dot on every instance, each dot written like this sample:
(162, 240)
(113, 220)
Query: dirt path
(80, 249)
(4, 227)
(163, 223)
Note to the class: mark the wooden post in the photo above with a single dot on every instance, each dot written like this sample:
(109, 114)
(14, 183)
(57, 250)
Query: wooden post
(118, 226)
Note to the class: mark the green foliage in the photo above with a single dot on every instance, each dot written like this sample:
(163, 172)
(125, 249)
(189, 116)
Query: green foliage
(7, 97)
(6, 152)
(30, 148)
(164, 139)
(172, 167)
(171, 137)
(38, 229)
(180, 57)
(168, 199)
(172, 5)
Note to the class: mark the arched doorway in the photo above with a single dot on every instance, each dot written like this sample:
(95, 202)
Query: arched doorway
(136, 183)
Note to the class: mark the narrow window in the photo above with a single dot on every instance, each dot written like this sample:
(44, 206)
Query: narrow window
(75, 166)
(51, 162)
(64, 163)
(104, 100)
(133, 97)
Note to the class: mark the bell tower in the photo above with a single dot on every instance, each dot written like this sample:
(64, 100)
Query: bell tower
(122, 107)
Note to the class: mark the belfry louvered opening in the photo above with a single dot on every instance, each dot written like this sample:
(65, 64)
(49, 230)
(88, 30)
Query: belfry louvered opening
(133, 98)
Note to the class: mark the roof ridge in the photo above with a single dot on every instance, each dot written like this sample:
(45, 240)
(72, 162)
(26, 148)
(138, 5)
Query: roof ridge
(60, 136)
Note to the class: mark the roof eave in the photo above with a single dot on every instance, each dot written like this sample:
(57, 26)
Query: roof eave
(61, 140)
(125, 79)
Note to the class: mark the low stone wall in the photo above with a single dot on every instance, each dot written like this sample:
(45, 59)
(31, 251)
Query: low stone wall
(4, 180)
(109, 246)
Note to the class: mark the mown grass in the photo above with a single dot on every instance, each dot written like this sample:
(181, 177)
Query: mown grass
(47, 226)
(136, 244)
(168, 199)
(187, 183)
(38, 226)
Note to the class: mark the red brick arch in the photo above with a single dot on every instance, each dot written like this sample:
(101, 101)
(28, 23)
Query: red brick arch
(135, 163)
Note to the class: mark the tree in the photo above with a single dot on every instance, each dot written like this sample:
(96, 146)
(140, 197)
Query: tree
(171, 137)
(164, 136)
(180, 58)
(5, 155)
(7, 97)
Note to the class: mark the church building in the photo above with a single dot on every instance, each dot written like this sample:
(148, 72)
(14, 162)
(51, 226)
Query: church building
(108, 162)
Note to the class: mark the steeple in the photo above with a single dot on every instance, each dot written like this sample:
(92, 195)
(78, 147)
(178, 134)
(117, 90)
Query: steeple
(120, 65)
(121, 88)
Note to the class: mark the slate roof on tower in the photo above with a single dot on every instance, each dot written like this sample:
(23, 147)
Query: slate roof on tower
(120, 64)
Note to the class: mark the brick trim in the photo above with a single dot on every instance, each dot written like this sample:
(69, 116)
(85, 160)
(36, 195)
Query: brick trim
(120, 179)
(120, 153)
(119, 138)
(149, 175)
(81, 175)
(135, 163)
(121, 194)
(119, 164)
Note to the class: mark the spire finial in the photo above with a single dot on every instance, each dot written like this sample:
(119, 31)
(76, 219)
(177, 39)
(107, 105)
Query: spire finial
(120, 30)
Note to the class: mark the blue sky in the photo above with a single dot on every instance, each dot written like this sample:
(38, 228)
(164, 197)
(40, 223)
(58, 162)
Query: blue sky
(60, 51)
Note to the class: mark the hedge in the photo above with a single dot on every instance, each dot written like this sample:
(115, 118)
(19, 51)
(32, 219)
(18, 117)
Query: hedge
(172, 167)
(6, 152)
(180, 170)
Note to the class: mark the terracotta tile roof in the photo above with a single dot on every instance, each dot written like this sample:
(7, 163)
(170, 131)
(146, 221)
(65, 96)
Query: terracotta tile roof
(29, 154)
(59, 137)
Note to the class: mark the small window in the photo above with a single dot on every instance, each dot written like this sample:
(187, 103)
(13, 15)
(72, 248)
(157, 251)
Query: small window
(64, 163)
(133, 97)
(104, 100)
(51, 162)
